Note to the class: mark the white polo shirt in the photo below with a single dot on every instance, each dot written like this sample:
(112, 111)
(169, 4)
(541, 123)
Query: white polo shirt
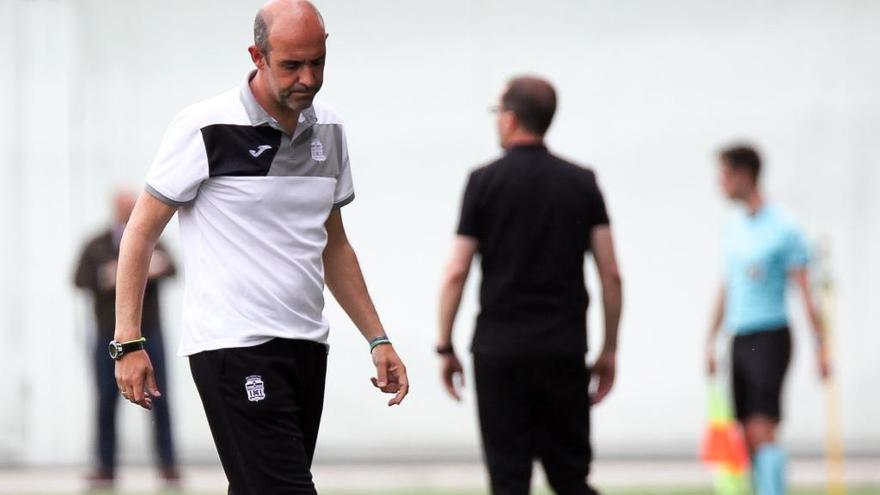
(253, 202)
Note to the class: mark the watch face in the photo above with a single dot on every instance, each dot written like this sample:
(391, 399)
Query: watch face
(115, 349)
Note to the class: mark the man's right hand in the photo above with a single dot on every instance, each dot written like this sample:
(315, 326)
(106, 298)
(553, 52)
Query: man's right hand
(135, 379)
(391, 376)
(450, 368)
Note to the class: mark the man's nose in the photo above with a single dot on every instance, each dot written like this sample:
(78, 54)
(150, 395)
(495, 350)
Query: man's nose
(307, 77)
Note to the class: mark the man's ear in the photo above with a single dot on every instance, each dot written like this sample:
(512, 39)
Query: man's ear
(258, 57)
(512, 121)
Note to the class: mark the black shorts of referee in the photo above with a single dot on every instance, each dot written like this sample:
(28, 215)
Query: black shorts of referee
(760, 361)
(264, 405)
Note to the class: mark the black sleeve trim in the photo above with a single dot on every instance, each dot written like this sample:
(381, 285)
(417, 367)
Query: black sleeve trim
(347, 200)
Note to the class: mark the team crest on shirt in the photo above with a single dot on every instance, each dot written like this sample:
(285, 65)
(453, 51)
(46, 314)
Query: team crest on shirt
(318, 151)
(256, 391)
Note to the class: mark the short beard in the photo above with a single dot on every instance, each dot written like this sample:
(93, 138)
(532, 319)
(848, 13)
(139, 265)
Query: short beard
(284, 98)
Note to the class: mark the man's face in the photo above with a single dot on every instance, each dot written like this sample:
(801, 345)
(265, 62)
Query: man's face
(505, 123)
(123, 204)
(735, 184)
(294, 66)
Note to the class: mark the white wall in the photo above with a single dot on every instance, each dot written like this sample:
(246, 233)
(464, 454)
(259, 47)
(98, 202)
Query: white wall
(9, 417)
(647, 94)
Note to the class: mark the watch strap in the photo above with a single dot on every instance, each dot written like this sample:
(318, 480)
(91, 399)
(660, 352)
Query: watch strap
(445, 350)
(133, 345)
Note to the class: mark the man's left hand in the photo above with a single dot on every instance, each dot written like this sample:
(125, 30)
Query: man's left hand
(603, 370)
(390, 373)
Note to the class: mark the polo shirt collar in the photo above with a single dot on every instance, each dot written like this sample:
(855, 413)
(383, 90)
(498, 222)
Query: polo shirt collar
(528, 147)
(258, 116)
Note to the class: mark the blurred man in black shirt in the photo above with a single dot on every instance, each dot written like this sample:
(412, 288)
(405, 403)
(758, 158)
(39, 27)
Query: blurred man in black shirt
(96, 272)
(532, 217)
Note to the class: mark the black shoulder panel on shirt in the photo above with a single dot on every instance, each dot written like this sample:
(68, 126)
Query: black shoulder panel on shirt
(240, 150)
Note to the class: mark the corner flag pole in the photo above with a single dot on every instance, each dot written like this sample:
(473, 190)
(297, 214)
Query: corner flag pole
(833, 434)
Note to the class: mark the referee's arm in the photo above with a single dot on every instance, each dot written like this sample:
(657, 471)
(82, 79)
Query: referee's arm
(134, 372)
(801, 277)
(344, 278)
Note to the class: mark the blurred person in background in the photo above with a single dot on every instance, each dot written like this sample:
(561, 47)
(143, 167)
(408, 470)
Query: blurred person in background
(532, 217)
(764, 250)
(96, 272)
(258, 176)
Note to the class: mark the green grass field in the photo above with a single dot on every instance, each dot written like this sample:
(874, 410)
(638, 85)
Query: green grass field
(640, 491)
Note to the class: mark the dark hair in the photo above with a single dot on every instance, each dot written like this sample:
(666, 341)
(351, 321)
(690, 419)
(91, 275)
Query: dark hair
(742, 157)
(261, 33)
(533, 101)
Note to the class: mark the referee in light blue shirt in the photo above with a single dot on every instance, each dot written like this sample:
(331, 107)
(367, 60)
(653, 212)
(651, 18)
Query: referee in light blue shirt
(763, 250)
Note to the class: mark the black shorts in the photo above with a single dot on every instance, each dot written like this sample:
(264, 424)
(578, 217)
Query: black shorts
(760, 361)
(264, 405)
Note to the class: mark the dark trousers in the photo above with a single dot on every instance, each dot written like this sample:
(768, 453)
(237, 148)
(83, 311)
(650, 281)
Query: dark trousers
(264, 405)
(108, 396)
(534, 407)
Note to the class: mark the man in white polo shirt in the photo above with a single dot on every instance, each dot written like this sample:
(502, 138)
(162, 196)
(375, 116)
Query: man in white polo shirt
(258, 175)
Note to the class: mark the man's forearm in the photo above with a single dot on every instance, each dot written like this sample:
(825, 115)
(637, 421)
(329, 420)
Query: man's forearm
(450, 299)
(717, 318)
(138, 242)
(455, 275)
(344, 278)
(816, 320)
(131, 279)
(612, 301)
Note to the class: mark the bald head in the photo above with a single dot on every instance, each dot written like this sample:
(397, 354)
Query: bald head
(299, 15)
(532, 100)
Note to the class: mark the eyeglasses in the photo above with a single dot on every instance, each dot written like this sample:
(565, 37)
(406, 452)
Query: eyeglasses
(496, 109)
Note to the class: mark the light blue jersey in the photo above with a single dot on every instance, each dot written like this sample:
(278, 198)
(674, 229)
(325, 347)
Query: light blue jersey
(759, 253)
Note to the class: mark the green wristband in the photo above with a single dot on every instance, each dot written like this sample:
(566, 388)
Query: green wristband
(378, 341)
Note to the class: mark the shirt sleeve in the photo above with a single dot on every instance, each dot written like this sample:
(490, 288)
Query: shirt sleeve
(597, 213)
(86, 275)
(344, 192)
(180, 165)
(797, 253)
(470, 222)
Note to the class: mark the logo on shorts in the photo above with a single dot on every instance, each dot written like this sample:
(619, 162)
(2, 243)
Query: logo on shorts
(254, 387)
(260, 149)
(318, 151)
